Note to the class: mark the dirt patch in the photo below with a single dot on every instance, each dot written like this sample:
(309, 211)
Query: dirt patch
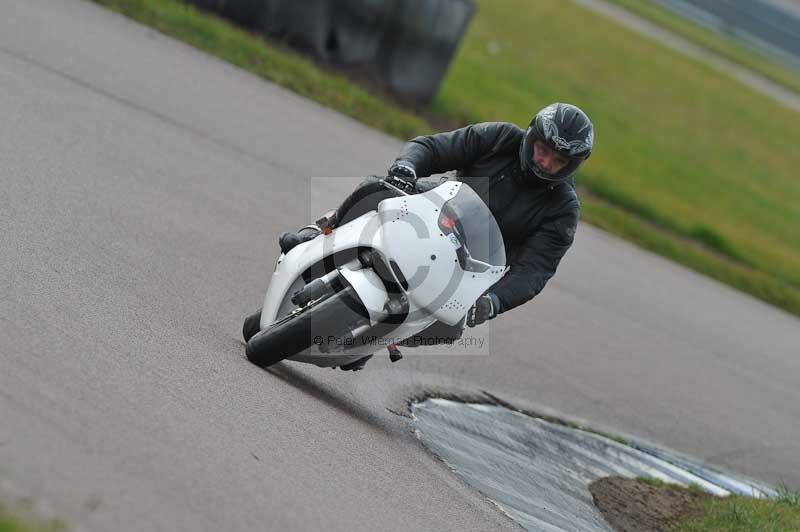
(631, 505)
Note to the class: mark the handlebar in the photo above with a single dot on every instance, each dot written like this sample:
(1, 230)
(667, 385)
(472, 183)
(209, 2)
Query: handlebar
(389, 185)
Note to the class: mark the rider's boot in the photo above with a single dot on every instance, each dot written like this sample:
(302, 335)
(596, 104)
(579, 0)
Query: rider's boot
(287, 240)
(357, 365)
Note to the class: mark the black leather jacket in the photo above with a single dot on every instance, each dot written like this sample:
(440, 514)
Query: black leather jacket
(537, 218)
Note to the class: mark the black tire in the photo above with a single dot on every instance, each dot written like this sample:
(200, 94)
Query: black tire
(252, 324)
(295, 333)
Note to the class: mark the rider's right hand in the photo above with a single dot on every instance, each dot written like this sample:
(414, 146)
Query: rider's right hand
(485, 308)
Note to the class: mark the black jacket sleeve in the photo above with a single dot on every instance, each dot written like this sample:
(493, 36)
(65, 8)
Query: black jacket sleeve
(537, 260)
(434, 154)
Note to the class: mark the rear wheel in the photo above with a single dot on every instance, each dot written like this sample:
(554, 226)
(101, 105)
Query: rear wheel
(315, 323)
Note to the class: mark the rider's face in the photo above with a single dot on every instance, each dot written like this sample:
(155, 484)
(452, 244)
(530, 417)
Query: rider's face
(547, 158)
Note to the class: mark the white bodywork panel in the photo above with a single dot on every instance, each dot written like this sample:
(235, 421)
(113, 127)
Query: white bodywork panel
(361, 232)
(436, 283)
(370, 289)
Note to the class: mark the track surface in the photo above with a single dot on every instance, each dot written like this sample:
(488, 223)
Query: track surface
(143, 184)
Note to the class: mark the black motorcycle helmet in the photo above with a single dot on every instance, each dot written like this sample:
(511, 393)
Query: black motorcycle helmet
(566, 129)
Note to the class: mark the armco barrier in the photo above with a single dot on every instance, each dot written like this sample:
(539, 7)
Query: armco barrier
(421, 43)
(407, 43)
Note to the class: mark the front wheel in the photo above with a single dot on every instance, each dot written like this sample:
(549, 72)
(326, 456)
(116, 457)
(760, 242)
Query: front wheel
(252, 324)
(308, 326)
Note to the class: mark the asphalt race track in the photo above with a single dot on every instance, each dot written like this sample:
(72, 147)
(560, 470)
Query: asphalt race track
(143, 186)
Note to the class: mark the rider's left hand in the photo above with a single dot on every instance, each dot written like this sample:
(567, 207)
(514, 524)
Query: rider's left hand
(402, 175)
(485, 308)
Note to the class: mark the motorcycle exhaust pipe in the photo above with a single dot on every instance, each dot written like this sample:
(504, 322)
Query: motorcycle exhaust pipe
(315, 289)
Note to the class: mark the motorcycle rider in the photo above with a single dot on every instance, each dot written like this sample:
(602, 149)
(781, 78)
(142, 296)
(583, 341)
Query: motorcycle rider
(527, 184)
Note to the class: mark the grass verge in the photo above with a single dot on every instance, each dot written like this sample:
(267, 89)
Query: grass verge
(727, 47)
(22, 522)
(745, 514)
(677, 168)
(647, 504)
(658, 483)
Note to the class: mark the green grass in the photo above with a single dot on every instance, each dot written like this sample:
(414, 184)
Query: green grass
(736, 513)
(725, 46)
(688, 162)
(21, 521)
(658, 483)
(745, 514)
(655, 482)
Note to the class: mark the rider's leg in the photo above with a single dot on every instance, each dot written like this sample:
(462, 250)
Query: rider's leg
(363, 199)
(368, 194)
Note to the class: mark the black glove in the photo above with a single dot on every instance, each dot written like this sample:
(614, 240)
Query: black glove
(485, 308)
(402, 175)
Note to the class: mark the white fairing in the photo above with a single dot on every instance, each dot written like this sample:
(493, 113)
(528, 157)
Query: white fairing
(404, 231)
(427, 257)
(370, 289)
(361, 232)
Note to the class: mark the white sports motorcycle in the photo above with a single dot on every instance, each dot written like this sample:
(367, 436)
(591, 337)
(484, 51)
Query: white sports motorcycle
(379, 279)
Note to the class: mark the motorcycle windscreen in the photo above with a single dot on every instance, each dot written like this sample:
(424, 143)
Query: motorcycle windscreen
(471, 227)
